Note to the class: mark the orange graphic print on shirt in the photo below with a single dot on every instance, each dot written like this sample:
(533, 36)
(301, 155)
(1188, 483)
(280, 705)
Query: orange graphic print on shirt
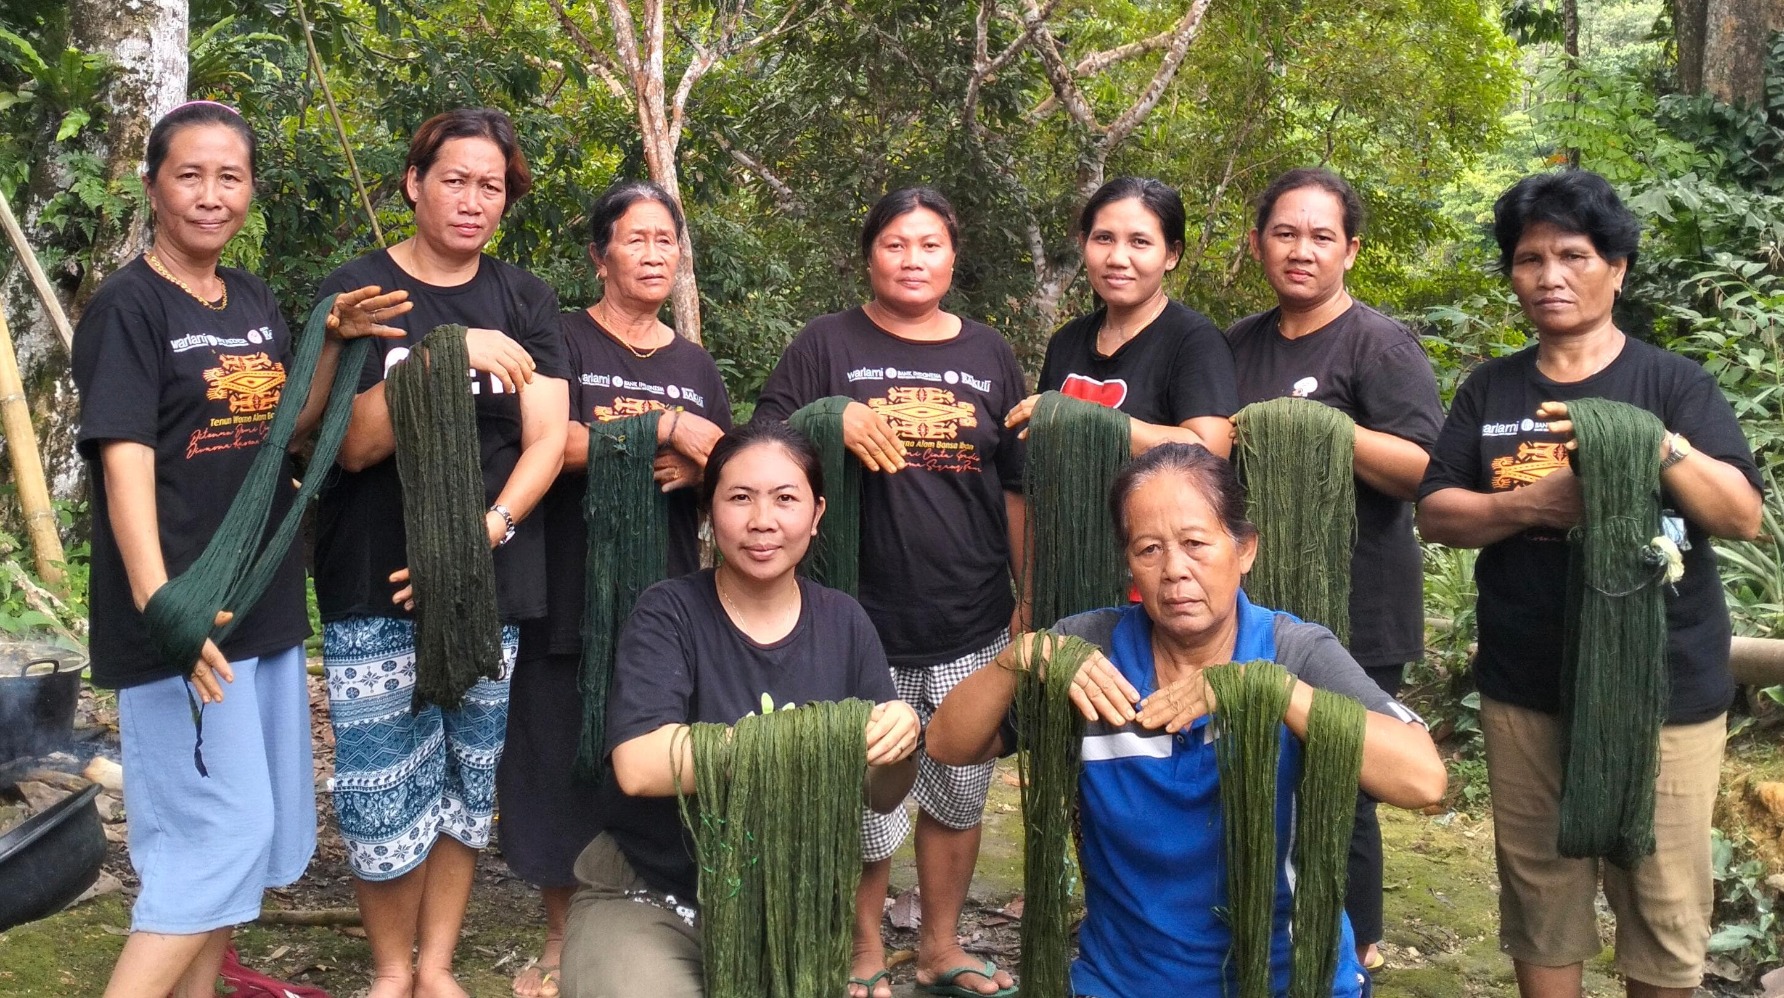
(1531, 462)
(251, 385)
(929, 421)
(624, 407)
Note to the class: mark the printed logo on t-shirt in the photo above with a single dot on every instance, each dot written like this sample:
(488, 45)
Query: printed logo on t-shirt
(938, 377)
(196, 340)
(249, 385)
(1511, 429)
(675, 392)
(1304, 388)
(1531, 462)
(1109, 393)
(400, 354)
(624, 407)
(929, 420)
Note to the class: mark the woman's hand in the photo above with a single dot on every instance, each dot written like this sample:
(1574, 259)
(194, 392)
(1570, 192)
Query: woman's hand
(892, 731)
(674, 470)
(1178, 705)
(405, 594)
(691, 435)
(495, 354)
(870, 438)
(1022, 413)
(211, 665)
(365, 312)
(1560, 423)
(1099, 690)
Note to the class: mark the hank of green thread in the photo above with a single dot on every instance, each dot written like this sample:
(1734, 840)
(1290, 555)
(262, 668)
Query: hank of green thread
(835, 556)
(627, 521)
(1295, 458)
(458, 627)
(1049, 733)
(1250, 701)
(243, 556)
(1614, 679)
(776, 822)
(1074, 450)
(1325, 812)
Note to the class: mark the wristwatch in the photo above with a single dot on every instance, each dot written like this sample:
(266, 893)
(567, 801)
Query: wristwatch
(1677, 449)
(508, 518)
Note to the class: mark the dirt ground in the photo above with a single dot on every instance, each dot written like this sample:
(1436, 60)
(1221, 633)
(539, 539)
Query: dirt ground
(1440, 906)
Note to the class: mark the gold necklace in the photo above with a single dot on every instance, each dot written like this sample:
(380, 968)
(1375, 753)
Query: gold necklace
(737, 615)
(646, 355)
(155, 264)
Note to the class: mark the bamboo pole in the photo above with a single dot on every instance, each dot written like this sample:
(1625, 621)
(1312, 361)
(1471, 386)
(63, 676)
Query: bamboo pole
(51, 304)
(27, 465)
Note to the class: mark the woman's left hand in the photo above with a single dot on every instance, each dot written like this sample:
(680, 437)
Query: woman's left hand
(892, 732)
(1178, 705)
(693, 436)
(405, 594)
(1560, 423)
(365, 312)
(674, 470)
(1022, 413)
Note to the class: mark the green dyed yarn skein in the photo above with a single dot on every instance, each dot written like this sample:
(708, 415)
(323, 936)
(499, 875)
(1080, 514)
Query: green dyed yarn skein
(458, 629)
(1614, 683)
(1295, 458)
(835, 556)
(1074, 450)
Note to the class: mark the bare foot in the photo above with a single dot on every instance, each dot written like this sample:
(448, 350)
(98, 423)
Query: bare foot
(392, 985)
(869, 964)
(435, 982)
(937, 961)
(539, 979)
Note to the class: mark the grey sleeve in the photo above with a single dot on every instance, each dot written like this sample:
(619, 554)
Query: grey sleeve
(1312, 654)
(1094, 626)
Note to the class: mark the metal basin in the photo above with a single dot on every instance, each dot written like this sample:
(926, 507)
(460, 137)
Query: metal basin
(48, 859)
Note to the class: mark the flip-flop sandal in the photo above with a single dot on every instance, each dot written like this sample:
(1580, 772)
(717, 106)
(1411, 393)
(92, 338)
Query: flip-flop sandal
(548, 987)
(944, 985)
(869, 982)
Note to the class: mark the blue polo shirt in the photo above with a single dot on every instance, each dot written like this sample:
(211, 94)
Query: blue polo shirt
(1155, 876)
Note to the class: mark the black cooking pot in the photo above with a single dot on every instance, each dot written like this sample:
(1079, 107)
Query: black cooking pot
(48, 859)
(40, 686)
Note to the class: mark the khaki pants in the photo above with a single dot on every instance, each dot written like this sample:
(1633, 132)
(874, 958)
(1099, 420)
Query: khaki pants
(617, 946)
(1546, 915)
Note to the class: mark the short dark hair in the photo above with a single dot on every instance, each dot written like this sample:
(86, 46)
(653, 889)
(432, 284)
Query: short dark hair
(762, 431)
(1577, 201)
(1325, 180)
(1212, 477)
(471, 123)
(615, 201)
(1158, 197)
(902, 202)
(191, 115)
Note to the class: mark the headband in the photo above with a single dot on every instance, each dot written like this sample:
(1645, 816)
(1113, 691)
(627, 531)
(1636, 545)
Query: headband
(211, 103)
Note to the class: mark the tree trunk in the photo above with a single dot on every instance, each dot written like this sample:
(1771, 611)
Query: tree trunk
(659, 160)
(1722, 46)
(145, 42)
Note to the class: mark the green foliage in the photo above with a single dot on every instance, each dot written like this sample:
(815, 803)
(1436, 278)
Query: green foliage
(18, 615)
(1747, 927)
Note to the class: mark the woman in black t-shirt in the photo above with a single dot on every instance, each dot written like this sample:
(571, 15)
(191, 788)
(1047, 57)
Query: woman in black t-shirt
(941, 513)
(1320, 343)
(1500, 480)
(1162, 363)
(715, 647)
(180, 365)
(623, 362)
(414, 790)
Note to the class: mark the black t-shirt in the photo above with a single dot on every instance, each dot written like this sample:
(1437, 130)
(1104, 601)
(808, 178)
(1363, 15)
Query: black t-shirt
(1492, 442)
(1175, 369)
(680, 660)
(935, 548)
(607, 382)
(360, 538)
(1372, 369)
(156, 367)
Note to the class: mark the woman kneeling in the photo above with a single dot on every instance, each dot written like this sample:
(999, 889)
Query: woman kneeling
(1149, 797)
(716, 646)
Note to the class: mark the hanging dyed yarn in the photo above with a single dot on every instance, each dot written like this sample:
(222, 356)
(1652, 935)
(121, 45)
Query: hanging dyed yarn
(457, 624)
(1251, 701)
(627, 519)
(776, 821)
(1294, 456)
(1049, 733)
(1614, 683)
(835, 557)
(242, 556)
(1074, 450)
